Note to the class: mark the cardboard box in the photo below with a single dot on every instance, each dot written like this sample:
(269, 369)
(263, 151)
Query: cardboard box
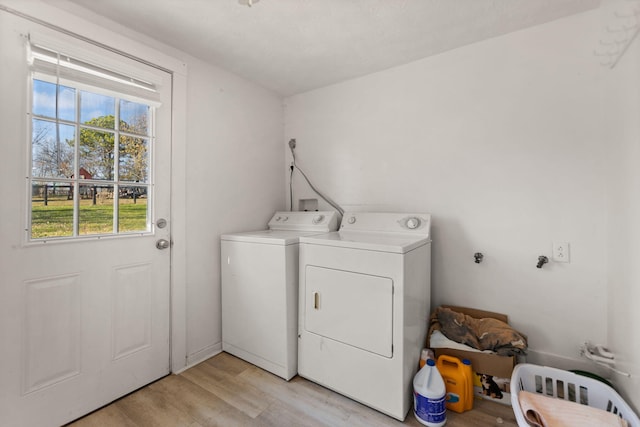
(498, 367)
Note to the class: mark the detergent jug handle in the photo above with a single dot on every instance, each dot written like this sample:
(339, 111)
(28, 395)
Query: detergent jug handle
(445, 358)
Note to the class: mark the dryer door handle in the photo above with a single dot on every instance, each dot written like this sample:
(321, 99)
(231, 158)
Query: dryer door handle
(316, 300)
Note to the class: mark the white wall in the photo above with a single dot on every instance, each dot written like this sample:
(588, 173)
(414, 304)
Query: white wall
(234, 183)
(501, 142)
(621, 109)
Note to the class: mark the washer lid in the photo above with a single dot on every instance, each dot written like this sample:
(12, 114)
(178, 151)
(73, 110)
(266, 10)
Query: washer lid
(285, 228)
(268, 237)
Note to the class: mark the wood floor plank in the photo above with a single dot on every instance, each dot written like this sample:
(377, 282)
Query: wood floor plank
(230, 388)
(205, 407)
(228, 363)
(110, 415)
(299, 396)
(485, 414)
(359, 414)
(280, 414)
(149, 408)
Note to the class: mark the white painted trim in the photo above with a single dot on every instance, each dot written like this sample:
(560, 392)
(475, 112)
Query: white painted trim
(178, 225)
(566, 363)
(203, 354)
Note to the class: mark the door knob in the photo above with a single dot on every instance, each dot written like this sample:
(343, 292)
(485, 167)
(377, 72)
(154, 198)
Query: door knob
(163, 244)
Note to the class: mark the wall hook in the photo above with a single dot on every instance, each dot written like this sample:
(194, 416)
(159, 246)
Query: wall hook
(478, 257)
(542, 260)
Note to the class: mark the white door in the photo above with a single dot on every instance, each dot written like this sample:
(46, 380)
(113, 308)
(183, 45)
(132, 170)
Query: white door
(84, 319)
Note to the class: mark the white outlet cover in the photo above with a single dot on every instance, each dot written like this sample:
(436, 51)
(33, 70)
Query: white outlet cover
(561, 252)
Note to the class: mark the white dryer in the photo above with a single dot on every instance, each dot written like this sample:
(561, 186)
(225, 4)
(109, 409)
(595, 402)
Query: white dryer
(364, 307)
(260, 289)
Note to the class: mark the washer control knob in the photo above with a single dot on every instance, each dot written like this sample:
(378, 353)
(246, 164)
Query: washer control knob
(285, 218)
(278, 218)
(352, 220)
(318, 219)
(413, 223)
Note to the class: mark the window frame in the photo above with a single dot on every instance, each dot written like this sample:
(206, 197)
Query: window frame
(77, 181)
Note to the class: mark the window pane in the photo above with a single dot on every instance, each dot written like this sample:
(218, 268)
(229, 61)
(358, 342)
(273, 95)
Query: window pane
(96, 153)
(134, 117)
(44, 100)
(96, 212)
(52, 158)
(51, 209)
(134, 164)
(97, 110)
(132, 213)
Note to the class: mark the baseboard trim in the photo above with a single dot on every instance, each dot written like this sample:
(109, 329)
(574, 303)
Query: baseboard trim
(201, 355)
(566, 363)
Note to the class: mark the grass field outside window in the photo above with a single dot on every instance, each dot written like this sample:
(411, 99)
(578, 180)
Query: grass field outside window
(56, 219)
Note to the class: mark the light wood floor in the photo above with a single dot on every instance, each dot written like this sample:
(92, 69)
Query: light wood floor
(227, 391)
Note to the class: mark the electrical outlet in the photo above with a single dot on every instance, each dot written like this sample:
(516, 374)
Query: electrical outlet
(560, 252)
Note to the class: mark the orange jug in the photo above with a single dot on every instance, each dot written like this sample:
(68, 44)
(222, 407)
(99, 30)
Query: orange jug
(458, 382)
(468, 371)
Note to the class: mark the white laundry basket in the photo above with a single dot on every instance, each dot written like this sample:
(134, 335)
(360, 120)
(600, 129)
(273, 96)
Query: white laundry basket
(566, 385)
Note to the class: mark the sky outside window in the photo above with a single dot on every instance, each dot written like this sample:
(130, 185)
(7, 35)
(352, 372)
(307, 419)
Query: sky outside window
(44, 100)
(95, 107)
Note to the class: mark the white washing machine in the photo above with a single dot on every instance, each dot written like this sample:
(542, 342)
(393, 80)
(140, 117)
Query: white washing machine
(260, 290)
(364, 307)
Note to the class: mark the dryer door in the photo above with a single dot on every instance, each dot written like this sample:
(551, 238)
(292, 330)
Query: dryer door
(352, 308)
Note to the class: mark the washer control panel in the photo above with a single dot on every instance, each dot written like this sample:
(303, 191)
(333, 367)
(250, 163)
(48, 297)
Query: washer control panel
(303, 221)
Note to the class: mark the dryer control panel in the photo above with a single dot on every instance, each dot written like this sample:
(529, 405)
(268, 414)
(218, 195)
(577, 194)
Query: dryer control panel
(418, 223)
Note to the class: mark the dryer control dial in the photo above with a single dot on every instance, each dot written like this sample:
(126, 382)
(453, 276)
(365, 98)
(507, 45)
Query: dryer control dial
(317, 219)
(413, 223)
(352, 220)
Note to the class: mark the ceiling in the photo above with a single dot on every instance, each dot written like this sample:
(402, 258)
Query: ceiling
(293, 46)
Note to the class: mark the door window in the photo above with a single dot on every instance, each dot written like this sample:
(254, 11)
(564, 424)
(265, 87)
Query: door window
(91, 148)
